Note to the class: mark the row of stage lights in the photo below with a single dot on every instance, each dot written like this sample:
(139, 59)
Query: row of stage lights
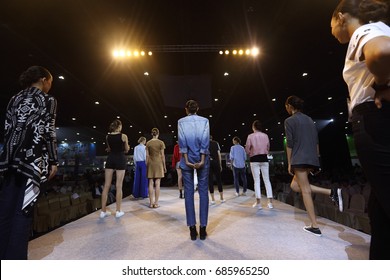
(130, 53)
(120, 54)
(248, 52)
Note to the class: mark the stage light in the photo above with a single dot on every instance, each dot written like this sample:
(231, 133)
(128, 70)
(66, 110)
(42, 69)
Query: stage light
(255, 51)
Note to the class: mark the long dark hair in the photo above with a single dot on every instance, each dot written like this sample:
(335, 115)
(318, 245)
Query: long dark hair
(32, 75)
(365, 10)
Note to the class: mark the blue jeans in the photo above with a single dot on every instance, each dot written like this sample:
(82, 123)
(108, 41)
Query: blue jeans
(239, 173)
(188, 181)
(14, 224)
(371, 133)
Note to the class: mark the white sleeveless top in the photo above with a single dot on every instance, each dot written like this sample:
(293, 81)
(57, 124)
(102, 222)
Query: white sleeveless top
(356, 74)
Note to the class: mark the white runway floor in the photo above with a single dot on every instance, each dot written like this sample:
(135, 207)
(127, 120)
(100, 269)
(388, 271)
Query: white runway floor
(236, 231)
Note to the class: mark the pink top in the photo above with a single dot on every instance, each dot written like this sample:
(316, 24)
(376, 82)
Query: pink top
(257, 143)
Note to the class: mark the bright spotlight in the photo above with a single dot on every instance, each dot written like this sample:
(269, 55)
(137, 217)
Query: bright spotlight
(255, 51)
(248, 52)
(234, 52)
(240, 52)
(227, 52)
(221, 52)
(150, 53)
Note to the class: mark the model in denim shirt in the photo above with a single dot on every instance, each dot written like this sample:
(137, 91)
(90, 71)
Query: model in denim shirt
(194, 137)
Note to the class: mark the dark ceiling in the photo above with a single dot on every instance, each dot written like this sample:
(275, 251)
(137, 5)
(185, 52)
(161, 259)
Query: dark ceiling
(75, 39)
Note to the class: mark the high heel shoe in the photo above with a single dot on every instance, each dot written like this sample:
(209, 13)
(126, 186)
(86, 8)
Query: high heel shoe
(193, 232)
(202, 233)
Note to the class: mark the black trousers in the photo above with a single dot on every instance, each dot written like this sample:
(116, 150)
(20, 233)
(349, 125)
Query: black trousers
(14, 224)
(215, 170)
(371, 129)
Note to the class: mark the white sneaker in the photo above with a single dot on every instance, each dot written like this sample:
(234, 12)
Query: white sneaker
(236, 194)
(104, 214)
(212, 202)
(223, 200)
(119, 214)
(270, 205)
(257, 205)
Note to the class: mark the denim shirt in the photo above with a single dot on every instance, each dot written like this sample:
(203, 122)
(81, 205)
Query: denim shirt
(194, 139)
(238, 156)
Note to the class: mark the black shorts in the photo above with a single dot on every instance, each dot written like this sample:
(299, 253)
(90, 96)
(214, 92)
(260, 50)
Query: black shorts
(116, 161)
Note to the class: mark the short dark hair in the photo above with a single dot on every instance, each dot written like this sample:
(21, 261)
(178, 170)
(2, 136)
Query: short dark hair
(32, 75)
(257, 124)
(295, 101)
(237, 139)
(192, 106)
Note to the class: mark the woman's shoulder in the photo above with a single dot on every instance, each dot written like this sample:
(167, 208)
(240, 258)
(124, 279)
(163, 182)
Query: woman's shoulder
(124, 136)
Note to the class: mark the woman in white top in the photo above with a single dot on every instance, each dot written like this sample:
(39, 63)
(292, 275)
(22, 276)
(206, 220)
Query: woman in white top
(362, 24)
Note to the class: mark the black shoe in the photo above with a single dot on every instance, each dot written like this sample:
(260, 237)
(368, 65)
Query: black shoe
(312, 230)
(337, 198)
(181, 195)
(202, 233)
(193, 232)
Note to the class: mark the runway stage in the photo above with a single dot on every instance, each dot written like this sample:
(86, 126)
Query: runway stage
(236, 231)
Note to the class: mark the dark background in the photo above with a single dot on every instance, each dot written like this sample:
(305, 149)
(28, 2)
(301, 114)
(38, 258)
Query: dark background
(75, 39)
